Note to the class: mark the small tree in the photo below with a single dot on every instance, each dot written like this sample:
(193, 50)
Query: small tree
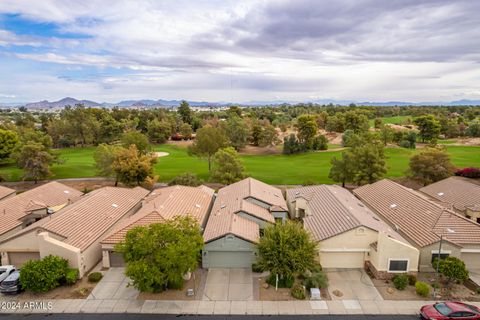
(186, 131)
(342, 170)
(431, 165)
(236, 130)
(268, 136)
(159, 255)
(429, 128)
(35, 161)
(104, 157)
(159, 131)
(286, 249)
(135, 138)
(307, 129)
(370, 165)
(452, 268)
(185, 112)
(133, 168)
(207, 142)
(8, 141)
(227, 167)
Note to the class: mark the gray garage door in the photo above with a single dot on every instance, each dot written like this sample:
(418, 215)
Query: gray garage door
(116, 259)
(19, 258)
(472, 260)
(230, 259)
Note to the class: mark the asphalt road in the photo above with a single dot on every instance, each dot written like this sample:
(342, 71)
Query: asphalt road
(83, 316)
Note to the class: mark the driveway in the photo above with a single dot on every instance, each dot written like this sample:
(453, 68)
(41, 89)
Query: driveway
(475, 276)
(355, 285)
(114, 286)
(228, 284)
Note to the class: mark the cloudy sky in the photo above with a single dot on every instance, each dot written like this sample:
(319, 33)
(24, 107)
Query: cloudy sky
(238, 51)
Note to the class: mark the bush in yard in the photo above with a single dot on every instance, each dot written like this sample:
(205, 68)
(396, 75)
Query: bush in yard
(400, 281)
(422, 288)
(43, 275)
(316, 280)
(95, 277)
(256, 268)
(298, 292)
(285, 282)
(468, 172)
(71, 276)
(412, 280)
(453, 269)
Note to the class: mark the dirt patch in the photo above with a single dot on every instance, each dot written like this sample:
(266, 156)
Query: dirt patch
(196, 282)
(456, 292)
(79, 290)
(467, 142)
(268, 292)
(161, 154)
(180, 143)
(253, 150)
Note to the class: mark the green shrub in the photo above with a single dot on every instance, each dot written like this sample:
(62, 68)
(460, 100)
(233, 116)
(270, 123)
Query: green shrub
(412, 280)
(316, 280)
(286, 282)
(43, 275)
(257, 268)
(316, 268)
(95, 277)
(71, 276)
(298, 292)
(176, 284)
(400, 281)
(422, 288)
(404, 144)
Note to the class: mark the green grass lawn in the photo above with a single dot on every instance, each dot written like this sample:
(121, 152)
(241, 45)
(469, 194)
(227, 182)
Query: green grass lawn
(400, 120)
(274, 169)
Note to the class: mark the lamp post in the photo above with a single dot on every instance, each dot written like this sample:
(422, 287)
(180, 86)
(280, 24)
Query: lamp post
(438, 259)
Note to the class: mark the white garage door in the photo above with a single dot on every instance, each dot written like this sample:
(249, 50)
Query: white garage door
(19, 258)
(342, 259)
(472, 260)
(230, 259)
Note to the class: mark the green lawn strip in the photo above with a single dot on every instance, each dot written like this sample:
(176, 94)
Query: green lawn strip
(400, 120)
(274, 169)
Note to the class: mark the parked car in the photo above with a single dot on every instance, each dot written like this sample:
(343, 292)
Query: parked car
(5, 271)
(449, 310)
(12, 283)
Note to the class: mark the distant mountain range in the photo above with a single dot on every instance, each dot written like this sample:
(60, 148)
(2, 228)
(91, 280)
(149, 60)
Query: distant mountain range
(175, 103)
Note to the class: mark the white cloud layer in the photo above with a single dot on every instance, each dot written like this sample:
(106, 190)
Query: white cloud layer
(239, 51)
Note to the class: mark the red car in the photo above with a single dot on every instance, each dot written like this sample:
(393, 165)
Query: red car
(449, 310)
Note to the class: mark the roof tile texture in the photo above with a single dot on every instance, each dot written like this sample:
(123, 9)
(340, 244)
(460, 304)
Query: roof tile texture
(457, 191)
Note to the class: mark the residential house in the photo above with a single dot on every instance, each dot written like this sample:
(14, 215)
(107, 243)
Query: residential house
(240, 213)
(21, 210)
(6, 193)
(422, 221)
(462, 194)
(350, 235)
(75, 231)
(161, 205)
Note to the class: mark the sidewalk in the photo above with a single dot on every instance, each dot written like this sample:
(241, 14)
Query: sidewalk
(217, 307)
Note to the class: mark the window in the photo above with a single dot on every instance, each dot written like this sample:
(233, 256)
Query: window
(442, 256)
(230, 238)
(360, 231)
(478, 220)
(398, 265)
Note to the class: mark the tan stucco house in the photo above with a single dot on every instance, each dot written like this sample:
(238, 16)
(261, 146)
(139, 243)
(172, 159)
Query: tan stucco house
(75, 231)
(422, 221)
(20, 211)
(350, 235)
(460, 194)
(239, 214)
(160, 205)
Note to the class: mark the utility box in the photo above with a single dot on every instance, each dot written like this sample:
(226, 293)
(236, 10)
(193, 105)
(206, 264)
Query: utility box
(315, 294)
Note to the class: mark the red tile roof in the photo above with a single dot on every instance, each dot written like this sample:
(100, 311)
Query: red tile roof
(164, 204)
(83, 222)
(459, 192)
(51, 194)
(238, 197)
(334, 210)
(417, 217)
(5, 192)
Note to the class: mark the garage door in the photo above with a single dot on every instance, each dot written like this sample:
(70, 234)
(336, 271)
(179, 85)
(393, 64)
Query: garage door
(19, 258)
(342, 259)
(116, 259)
(472, 260)
(230, 259)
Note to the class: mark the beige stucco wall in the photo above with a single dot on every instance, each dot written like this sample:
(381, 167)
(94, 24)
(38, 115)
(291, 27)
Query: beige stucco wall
(51, 246)
(474, 215)
(425, 262)
(391, 249)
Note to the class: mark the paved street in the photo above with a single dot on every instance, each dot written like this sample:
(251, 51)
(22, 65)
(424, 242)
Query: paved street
(173, 317)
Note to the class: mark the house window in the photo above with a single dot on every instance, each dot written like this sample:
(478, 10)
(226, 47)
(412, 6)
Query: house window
(442, 256)
(360, 231)
(478, 220)
(230, 238)
(398, 265)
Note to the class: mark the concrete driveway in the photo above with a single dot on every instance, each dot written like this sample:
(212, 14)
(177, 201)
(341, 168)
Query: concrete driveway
(228, 284)
(475, 275)
(355, 285)
(114, 286)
